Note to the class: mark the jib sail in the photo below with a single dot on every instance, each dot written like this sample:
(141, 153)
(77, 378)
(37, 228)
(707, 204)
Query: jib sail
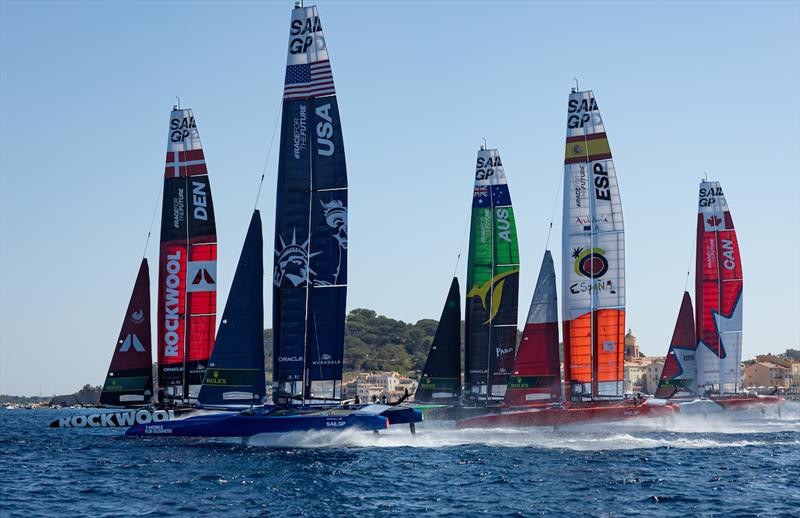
(187, 277)
(129, 381)
(310, 264)
(718, 294)
(235, 373)
(492, 283)
(593, 258)
(536, 375)
(679, 375)
(441, 377)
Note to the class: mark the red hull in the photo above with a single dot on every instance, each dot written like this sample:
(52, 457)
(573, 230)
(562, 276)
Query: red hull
(568, 415)
(747, 403)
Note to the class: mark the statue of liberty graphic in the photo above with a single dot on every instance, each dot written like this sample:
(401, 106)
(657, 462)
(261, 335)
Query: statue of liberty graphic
(292, 263)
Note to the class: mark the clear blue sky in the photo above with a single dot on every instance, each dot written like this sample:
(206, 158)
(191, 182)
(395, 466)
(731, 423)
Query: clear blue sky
(684, 87)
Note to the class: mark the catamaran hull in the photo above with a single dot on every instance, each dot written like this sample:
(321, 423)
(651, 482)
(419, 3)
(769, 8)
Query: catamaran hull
(567, 416)
(240, 425)
(748, 403)
(123, 418)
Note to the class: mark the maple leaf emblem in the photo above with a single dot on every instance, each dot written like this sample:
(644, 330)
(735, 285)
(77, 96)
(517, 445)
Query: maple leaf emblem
(713, 221)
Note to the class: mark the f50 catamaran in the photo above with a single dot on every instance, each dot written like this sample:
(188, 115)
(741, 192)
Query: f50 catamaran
(706, 361)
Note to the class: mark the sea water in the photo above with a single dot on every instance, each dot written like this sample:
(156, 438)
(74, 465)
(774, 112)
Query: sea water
(734, 464)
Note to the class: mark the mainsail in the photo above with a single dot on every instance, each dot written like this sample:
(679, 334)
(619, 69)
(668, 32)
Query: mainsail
(441, 377)
(235, 373)
(129, 381)
(679, 374)
(492, 283)
(536, 375)
(310, 268)
(187, 285)
(593, 259)
(718, 294)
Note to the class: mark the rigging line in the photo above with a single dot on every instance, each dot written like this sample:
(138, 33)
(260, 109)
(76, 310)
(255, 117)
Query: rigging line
(461, 246)
(269, 153)
(689, 268)
(152, 218)
(553, 212)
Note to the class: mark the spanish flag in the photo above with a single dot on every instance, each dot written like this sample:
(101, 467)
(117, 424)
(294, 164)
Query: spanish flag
(587, 148)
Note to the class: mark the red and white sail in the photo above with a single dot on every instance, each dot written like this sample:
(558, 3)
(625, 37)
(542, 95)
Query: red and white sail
(593, 259)
(718, 294)
(536, 374)
(187, 281)
(679, 375)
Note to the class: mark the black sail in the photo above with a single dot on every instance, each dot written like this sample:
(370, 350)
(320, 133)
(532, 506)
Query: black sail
(441, 377)
(235, 373)
(310, 264)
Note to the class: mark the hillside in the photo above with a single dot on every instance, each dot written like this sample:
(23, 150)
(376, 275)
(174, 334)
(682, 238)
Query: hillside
(377, 343)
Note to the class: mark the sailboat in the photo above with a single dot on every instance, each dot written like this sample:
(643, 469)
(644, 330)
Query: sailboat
(129, 382)
(593, 287)
(490, 332)
(235, 376)
(187, 287)
(704, 362)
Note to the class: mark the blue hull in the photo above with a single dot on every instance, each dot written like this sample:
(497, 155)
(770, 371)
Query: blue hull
(244, 425)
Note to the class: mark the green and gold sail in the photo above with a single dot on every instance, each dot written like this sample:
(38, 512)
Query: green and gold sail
(492, 283)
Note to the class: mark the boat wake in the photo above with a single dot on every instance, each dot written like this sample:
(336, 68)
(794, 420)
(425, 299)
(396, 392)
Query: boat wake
(685, 432)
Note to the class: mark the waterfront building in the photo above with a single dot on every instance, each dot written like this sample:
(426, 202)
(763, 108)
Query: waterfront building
(767, 374)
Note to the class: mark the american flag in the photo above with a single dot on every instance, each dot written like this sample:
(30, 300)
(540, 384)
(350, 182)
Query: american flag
(311, 80)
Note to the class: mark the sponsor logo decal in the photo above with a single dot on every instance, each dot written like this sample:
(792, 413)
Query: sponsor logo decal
(131, 341)
(137, 317)
(482, 292)
(590, 263)
(485, 167)
(172, 285)
(580, 112)
(299, 127)
(708, 196)
(116, 419)
(201, 275)
(180, 129)
(304, 33)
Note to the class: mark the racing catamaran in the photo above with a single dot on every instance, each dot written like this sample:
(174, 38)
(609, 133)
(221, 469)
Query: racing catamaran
(706, 362)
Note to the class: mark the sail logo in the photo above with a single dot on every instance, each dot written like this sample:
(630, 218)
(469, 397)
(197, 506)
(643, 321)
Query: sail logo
(590, 263)
(324, 131)
(580, 112)
(609, 346)
(299, 127)
(115, 419)
(291, 262)
(503, 224)
(137, 317)
(304, 33)
(326, 359)
(601, 182)
(708, 196)
(290, 358)
(729, 261)
(201, 276)
(598, 286)
(172, 283)
(485, 167)
(131, 341)
(199, 198)
(500, 351)
(494, 285)
(593, 223)
(214, 379)
(180, 129)
(579, 181)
